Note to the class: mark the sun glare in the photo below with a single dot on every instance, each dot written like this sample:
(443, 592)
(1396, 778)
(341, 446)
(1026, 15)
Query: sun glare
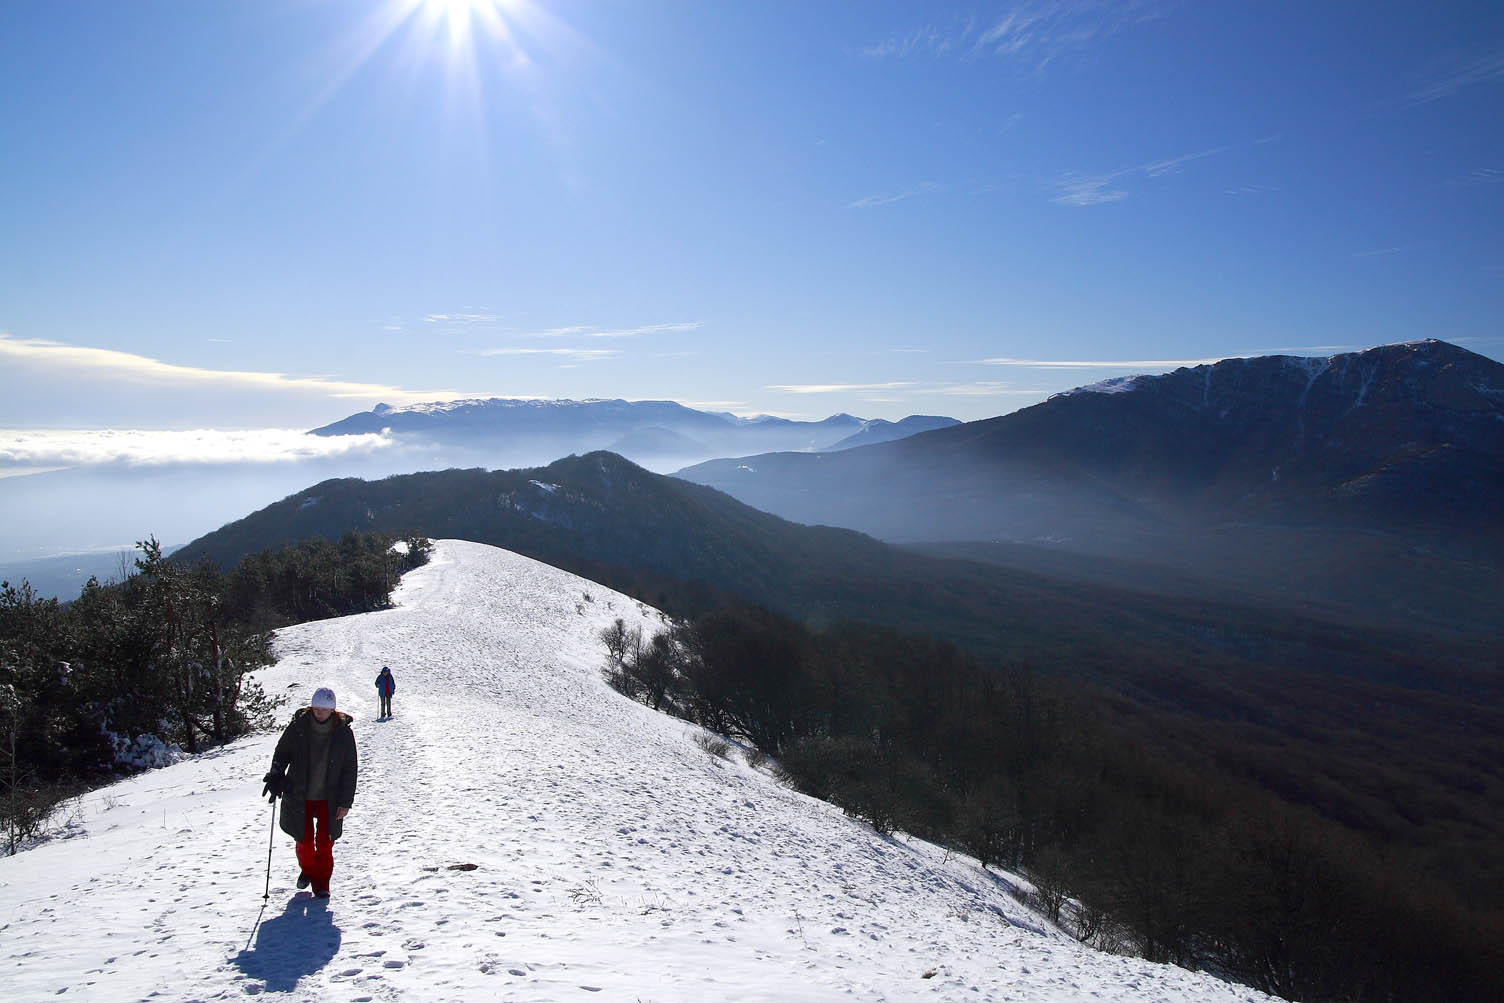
(472, 40)
(461, 20)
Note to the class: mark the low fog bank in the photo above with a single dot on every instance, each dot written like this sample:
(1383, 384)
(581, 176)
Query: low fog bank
(64, 577)
(59, 527)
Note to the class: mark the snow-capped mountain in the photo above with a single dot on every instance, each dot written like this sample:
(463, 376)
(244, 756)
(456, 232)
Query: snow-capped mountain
(520, 832)
(499, 432)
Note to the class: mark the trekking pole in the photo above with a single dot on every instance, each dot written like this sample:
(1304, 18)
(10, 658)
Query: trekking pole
(268, 894)
(270, 840)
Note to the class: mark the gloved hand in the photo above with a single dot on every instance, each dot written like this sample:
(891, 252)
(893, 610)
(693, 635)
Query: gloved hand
(276, 785)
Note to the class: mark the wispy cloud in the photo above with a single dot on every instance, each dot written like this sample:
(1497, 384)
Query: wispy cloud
(1465, 75)
(990, 388)
(139, 369)
(590, 331)
(633, 332)
(1382, 252)
(30, 449)
(1174, 164)
(461, 319)
(1097, 363)
(556, 332)
(1078, 191)
(928, 41)
(1096, 189)
(874, 201)
(732, 406)
(1309, 350)
(840, 388)
(911, 389)
(575, 354)
(1031, 34)
(1482, 176)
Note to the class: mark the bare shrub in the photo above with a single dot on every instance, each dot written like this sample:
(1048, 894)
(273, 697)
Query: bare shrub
(715, 745)
(587, 895)
(27, 811)
(1051, 891)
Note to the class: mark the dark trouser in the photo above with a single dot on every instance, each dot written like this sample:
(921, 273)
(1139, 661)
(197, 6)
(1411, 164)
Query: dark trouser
(386, 704)
(316, 848)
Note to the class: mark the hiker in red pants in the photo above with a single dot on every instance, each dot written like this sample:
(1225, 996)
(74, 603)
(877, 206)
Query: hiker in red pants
(313, 771)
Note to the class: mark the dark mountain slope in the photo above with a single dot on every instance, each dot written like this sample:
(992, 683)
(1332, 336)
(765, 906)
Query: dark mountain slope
(603, 511)
(1285, 475)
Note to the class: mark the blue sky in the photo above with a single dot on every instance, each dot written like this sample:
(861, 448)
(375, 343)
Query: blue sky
(274, 214)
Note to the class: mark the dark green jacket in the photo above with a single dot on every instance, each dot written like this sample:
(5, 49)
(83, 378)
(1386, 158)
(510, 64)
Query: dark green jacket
(292, 755)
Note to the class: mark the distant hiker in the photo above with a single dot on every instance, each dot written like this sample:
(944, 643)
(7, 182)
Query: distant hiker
(385, 687)
(313, 772)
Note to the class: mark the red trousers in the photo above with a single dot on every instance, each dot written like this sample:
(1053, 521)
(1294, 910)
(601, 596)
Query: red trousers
(316, 849)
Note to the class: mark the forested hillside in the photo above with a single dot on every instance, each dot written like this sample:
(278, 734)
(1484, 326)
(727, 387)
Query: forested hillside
(164, 658)
(1129, 845)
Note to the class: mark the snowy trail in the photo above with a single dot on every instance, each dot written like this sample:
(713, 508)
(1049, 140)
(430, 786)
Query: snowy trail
(612, 858)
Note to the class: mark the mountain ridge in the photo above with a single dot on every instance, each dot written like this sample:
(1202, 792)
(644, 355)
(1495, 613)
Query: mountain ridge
(1395, 454)
(499, 431)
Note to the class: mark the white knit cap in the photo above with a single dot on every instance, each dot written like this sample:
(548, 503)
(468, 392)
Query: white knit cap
(323, 697)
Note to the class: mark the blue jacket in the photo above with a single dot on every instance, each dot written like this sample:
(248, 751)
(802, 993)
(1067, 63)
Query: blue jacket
(385, 684)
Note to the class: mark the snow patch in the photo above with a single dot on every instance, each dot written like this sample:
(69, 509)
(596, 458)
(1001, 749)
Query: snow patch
(144, 752)
(1115, 385)
(497, 403)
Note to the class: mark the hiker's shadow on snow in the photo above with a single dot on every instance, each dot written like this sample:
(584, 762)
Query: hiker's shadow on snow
(299, 942)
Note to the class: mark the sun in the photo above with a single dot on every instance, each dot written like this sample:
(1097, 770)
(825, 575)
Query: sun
(456, 13)
(463, 18)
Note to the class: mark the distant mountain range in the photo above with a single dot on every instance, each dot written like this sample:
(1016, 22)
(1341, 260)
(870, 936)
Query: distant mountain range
(1367, 477)
(499, 432)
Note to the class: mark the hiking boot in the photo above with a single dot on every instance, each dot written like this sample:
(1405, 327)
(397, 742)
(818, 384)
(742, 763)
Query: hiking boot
(321, 893)
(303, 880)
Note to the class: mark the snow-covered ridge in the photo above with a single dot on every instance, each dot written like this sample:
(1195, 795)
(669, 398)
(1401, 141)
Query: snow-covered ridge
(612, 858)
(1115, 385)
(513, 403)
(1309, 368)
